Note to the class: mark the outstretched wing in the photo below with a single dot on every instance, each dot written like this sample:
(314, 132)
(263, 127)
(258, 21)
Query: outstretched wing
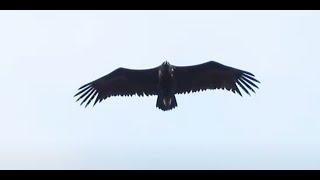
(120, 82)
(213, 75)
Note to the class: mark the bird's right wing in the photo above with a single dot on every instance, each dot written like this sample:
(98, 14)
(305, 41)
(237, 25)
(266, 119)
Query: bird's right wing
(123, 82)
(213, 75)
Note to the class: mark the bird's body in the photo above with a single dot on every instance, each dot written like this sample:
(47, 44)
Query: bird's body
(166, 87)
(167, 80)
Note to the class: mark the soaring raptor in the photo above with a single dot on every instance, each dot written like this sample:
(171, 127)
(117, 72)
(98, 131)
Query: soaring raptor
(167, 80)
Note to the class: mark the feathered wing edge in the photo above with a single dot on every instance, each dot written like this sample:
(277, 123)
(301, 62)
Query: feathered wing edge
(88, 92)
(103, 87)
(244, 81)
(238, 78)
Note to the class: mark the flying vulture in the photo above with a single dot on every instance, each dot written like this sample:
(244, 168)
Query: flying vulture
(167, 80)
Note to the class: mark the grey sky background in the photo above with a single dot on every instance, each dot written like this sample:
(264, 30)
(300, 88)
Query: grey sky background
(45, 56)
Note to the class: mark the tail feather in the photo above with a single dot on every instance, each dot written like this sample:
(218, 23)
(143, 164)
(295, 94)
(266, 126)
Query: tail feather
(166, 102)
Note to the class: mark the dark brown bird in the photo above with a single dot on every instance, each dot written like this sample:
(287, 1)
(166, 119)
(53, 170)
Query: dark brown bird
(167, 80)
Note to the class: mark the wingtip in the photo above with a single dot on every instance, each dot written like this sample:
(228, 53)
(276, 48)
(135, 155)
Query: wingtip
(84, 86)
(249, 73)
(77, 94)
(78, 99)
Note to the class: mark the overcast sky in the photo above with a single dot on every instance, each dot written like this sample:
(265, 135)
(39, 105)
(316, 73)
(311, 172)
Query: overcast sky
(45, 56)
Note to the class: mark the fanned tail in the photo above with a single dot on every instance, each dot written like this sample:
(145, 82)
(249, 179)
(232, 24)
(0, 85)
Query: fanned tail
(166, 102)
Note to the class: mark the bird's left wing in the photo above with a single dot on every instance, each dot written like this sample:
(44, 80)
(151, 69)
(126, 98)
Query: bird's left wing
(212, 75)
(123, 82)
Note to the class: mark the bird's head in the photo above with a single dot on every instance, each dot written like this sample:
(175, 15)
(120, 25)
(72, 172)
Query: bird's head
(165, 64)
(166, 68)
